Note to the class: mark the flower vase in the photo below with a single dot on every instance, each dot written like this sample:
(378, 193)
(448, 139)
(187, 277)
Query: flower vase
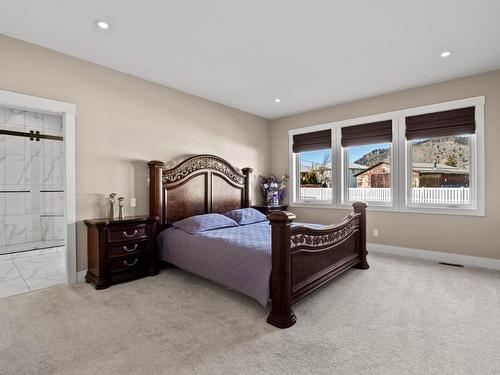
(273, 198)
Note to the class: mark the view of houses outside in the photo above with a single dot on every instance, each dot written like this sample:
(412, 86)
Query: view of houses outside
(440, 172)
(316, 175)
(369, 166)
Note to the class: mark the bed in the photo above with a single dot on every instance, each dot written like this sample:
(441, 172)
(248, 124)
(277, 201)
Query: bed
(275, 259)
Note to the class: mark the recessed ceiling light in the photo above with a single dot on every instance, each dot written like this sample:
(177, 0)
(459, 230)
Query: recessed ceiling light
(445, 53)
(277, 100)
(102, 25)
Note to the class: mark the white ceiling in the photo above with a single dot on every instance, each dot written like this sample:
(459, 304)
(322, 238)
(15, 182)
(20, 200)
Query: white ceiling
(244, 54)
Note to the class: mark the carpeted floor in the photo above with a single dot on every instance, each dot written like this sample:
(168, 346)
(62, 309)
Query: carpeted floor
(402, 316)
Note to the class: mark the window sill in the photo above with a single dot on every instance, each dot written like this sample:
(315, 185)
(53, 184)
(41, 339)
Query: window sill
(371, 207)
(312, 205)
(408, 209)
(459, 211)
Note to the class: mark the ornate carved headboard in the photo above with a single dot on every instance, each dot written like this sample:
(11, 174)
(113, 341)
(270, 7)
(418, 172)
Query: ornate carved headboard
(198, 185)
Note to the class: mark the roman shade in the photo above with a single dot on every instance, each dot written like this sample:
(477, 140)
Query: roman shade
(441, 124)
(314, 141)
(365, 134)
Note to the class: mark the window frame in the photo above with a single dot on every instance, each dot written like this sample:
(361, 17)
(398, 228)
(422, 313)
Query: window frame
(400, 163)
(476, 176)
(295, 166)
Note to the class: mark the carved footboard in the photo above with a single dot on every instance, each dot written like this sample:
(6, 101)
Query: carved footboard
(304, 258)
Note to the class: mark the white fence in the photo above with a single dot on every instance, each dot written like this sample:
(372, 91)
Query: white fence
(313, 194)
(370, 194)
(419, 195)
(441, 195)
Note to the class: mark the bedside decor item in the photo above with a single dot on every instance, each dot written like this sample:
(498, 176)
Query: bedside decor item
(111, 200)
(120, 207)
(120, 249)
(273, 189)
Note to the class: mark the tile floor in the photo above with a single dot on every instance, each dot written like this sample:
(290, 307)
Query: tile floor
(31, 270)
(27, 246)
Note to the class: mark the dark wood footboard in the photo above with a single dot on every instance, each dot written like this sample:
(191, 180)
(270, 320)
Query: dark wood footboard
(304, 258)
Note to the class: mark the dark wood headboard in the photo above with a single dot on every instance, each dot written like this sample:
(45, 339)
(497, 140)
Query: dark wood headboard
(198, 185)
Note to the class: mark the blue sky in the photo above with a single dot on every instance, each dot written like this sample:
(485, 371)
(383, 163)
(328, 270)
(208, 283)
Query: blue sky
(309, 157)
(354, 153)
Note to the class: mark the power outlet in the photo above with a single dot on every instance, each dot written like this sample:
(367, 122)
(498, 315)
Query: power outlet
(375, 233)
(133, 202)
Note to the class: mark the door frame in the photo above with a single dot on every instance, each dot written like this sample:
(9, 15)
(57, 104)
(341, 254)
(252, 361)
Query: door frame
(68, 111)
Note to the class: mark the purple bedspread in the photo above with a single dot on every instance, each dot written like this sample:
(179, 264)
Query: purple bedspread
(237, 257)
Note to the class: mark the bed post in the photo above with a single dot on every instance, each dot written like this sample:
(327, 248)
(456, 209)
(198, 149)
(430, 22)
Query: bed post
(360, 208)
(281, 314)
(156, 190)
(247, 201)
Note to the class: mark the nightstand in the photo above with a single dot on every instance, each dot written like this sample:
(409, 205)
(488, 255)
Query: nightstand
(266, 209)
(120, 250)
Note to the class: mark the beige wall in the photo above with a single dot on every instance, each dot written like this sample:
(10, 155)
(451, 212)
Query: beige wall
(468, 235)
(122, 122)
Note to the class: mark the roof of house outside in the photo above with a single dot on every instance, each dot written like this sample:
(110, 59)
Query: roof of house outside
(373, 166)
(438, 168)
(426, 168)
(357, 166)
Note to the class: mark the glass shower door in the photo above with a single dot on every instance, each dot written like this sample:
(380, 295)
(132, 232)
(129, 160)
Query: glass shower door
(31, 181)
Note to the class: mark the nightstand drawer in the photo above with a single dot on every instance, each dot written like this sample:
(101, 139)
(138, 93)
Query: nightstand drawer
(132, 262)
(127, 248)
(127, 234)
(120, 249)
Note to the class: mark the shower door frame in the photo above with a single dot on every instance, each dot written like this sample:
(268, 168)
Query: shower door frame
(68, 111)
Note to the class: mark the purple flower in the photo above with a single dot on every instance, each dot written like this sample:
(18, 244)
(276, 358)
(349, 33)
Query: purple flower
(273, 184)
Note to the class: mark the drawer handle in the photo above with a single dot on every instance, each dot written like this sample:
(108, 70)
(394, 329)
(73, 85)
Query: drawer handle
(125, 248)
(129, 235)
(131, 264)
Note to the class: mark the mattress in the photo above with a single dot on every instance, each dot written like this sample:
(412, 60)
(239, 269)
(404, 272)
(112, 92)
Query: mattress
(236, 257)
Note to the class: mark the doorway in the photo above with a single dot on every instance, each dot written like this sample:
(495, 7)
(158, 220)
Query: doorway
(36, 234)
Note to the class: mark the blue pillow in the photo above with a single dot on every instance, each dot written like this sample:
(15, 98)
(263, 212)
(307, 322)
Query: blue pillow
(202, 223)
(244, 216)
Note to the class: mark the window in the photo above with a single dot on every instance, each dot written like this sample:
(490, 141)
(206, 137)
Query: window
(315, 175)
(440, 171)
(425, 159)
(369, 173)
(439, 149)
(367, 156)
(313, 160)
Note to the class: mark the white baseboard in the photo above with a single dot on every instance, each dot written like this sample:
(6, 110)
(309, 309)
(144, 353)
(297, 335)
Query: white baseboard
(465, 260)
(437, 256)
(80, 276)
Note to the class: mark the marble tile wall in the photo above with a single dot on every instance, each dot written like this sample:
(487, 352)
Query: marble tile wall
(31, 179)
